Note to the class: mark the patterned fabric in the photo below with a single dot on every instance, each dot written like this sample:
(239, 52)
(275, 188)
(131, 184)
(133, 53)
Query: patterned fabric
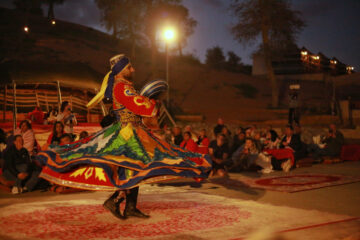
(120, 158)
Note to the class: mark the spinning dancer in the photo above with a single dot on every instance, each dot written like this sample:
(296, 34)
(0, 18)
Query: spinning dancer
(125, 154)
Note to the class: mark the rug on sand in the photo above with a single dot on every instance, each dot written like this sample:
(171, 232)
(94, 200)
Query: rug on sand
(182, 215)
(298, 182)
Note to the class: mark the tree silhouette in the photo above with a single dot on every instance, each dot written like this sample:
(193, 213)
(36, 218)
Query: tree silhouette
(274, 21)
(215, 58)
(51, 4)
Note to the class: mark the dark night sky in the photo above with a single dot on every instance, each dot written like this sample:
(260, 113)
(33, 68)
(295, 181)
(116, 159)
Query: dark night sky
(333, 26)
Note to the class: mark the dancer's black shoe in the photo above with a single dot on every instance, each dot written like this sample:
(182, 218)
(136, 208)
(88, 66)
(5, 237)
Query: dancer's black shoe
(130, 207)
(113, 205)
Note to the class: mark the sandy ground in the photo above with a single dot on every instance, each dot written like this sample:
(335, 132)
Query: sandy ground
(342, 200)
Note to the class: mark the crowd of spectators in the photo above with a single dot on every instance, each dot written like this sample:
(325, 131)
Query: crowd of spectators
(247, 149)
(19, 148)
(250, 148)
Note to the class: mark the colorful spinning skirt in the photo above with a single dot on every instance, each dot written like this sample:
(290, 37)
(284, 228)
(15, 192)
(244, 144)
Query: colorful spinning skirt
(120, 158)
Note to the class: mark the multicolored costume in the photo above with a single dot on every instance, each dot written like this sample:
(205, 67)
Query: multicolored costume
(123, 155)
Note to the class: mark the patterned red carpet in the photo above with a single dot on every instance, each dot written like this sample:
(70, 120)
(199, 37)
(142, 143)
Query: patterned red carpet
(299, 182)
(173, 216)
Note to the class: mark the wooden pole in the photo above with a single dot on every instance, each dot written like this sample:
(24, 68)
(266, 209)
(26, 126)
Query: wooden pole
(14, 106)
(59, 95)
(37, 99)
(5, 103)
(47, 102)
(87, 109)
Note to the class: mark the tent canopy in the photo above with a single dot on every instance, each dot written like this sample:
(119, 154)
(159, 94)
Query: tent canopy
(74, 75)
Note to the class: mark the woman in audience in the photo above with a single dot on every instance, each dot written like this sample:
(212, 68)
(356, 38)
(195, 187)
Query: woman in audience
(28, 136)
(188, 143)
(67, 117)
(58, 131)
(272, 140)
(203, 142)
(244, 157)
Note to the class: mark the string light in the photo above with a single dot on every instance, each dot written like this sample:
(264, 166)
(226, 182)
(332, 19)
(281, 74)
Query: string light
(53, 22)
(26, 29)
(304, 53)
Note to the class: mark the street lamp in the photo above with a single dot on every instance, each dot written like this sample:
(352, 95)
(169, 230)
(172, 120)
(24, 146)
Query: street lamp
(169, 36)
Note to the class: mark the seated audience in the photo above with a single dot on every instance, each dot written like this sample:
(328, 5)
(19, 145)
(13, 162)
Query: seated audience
(67, 117)
(218, 128)
(203, 142)
(237, 142)
(292, 141)
(18, 167)
(219, 152)
(188, 143)
(272, 140)
(36, 116)
(189, 129)
(177, 136)
(50, 116)
(28, 136)
(331, 146)
(227, 135)
(244, 157)
(58, 131)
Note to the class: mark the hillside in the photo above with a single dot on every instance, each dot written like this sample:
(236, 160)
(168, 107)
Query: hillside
(194, 88)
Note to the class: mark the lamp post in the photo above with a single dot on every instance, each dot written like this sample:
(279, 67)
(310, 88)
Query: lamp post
(169, 35)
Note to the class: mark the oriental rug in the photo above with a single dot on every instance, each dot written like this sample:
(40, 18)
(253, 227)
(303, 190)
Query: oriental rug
(298, 182)
(174, 215)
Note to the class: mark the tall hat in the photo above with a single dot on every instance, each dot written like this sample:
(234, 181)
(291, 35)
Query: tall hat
(117, 64)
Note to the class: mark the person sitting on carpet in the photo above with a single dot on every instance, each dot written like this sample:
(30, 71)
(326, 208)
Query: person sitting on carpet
(244, 157)
(237, 142)
(177, 136)
(189, 129)
(188, 143)
(227, 135)
(219, 152)
(331, 146)
(18, 167)
(292, 141)
(203, 142)
(28, 136)
(272, 140)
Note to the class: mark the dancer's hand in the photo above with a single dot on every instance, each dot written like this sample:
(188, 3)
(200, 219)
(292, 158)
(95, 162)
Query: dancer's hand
(22, 175)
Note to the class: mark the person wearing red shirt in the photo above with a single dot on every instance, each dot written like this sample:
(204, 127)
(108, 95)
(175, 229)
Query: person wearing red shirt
(188, 143)
(203, 142)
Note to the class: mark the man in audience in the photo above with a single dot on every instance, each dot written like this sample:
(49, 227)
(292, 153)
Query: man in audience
(239, 140)
(219, 152)
(18, 167)
(292, 141)
(218, 128)
(332, 145)
(178, 137)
